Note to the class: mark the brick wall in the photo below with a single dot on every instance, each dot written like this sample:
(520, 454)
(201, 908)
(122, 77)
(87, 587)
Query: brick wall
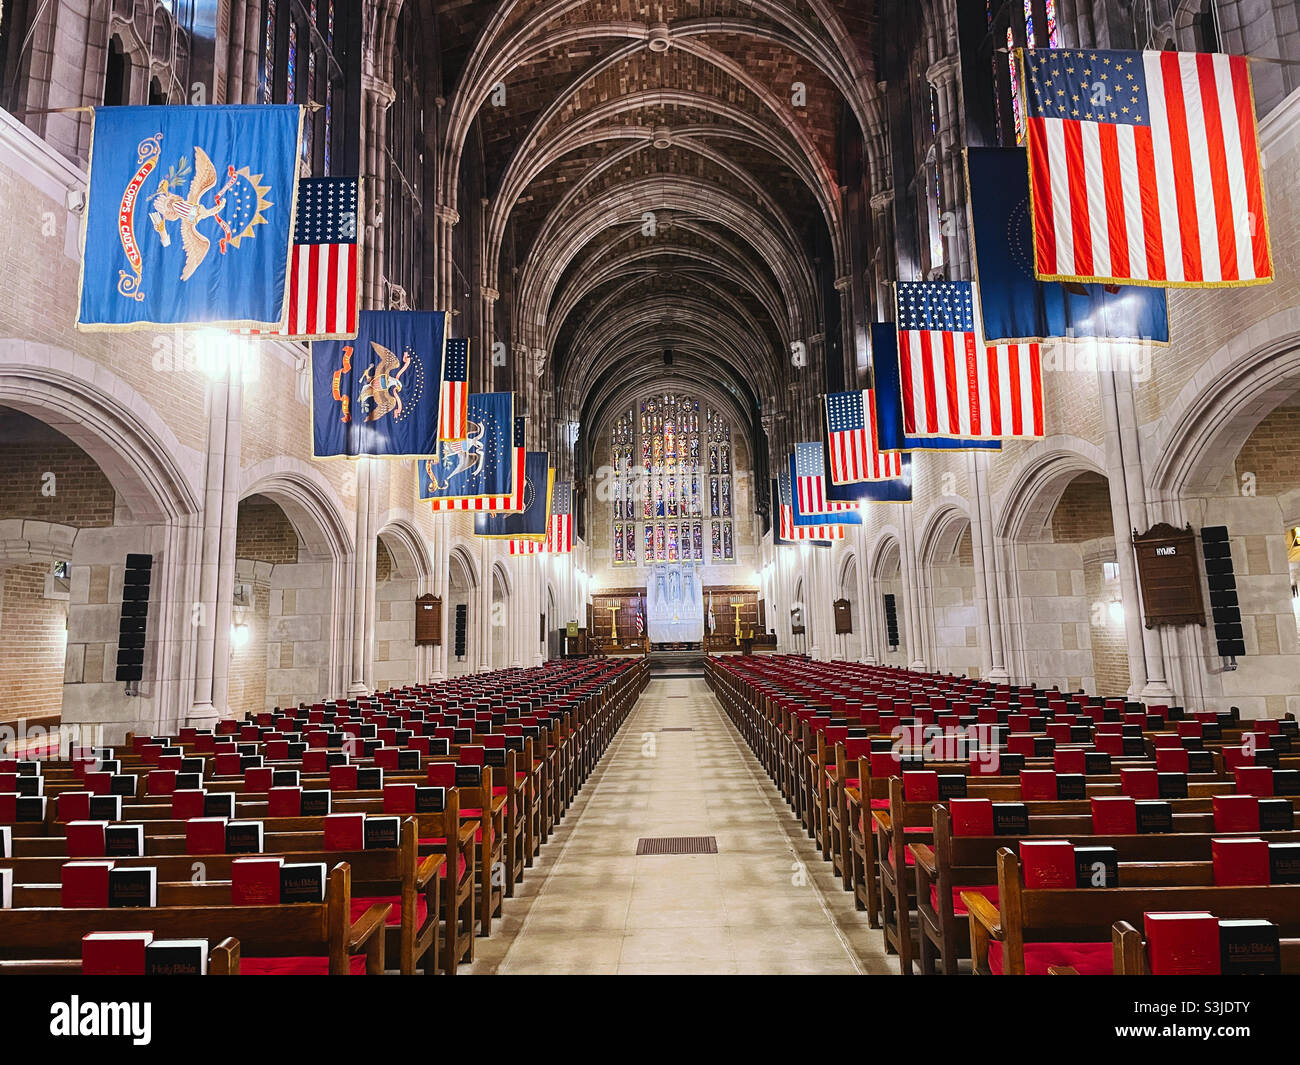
(1083, 512)
(1106, 634)
(1272, 453)
(264, 533)
(35, 628)
(77, 494)
(383, 562)
(247, 692)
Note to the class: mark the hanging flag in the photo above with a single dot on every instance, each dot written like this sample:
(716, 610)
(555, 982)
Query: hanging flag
(372, 395)
(189, 217)
(559, 537)
(854, 443)
(855, 496)
(1145, 168)
(810, 485)
(528, 547)
(480, 467)
(790, 528)
(712, 623)
(640, 618)
(888, 397)
(453, 419)
(324, 269)
(1017, 308)
(533, 521)
(512, 503)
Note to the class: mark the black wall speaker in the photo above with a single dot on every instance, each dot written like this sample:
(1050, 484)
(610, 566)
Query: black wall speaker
(891, 621)
(1224, 607)
(462, 624)
(134, 620)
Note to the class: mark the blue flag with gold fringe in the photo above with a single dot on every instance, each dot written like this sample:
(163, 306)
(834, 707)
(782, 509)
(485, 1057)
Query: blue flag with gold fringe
(481, 466)
(378, 394)
(531, 523)
(189, 217)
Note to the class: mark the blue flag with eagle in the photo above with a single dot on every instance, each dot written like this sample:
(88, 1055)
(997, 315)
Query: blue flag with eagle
(480, 467)
(532, 522)
(378, 394)
(189, 217)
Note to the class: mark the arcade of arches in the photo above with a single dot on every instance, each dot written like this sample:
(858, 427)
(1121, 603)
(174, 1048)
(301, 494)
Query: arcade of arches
(667, 226)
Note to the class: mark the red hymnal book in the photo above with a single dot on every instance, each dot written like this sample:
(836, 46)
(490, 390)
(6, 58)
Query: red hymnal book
(443, 774)
(1236, 813)
(255, 881)
(73, 806)
(1037, 785)
(227, 765)
(920, 785)
(1114, 815)
(86, 839)
(1048, 863)
(284, 802)
(99, 783)
(1073, 761)
(114, 953)
(187, 804)
(85, 885)
(160, 782)
(205, 835)
(1182, 944)
(399, 798)
(1240, 861)
(258, 780)
(971, 817)
(1254, 780)
(343, 778)
(315, 761)
(345, 832)
(1172, 760)
(1020, 743)
(882, 763)
(1140, 783)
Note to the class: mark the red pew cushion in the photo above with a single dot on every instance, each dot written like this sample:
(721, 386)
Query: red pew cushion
(1091, 959)
(989, 891)
(298, 966)
(360, 905)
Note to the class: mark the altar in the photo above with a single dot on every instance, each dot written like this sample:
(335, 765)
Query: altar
(675, 605)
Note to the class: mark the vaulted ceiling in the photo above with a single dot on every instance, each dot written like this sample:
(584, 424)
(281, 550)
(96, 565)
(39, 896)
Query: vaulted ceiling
(666, 174)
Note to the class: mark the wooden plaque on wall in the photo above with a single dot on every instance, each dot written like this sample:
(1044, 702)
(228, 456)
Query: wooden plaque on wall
(428, 621)
(1169, 574)
(843, 617)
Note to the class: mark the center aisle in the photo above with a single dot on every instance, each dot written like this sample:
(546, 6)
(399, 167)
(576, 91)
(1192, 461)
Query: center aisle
(765, 903)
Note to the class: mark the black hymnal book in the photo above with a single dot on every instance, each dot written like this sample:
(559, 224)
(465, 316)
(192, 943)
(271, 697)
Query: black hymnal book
(1130, 730)
(1288, 727)
(1037, 724)
(402, 736)
(408, 759)
(1133, 746)
(1284, 863)
(1155, 722)
(245, 749)
(110, 765)
(1249, 947)
(29, 767)
(1096, 762)
(1154, 816)
(881, 743)
(170, 752)
(514, 743)
(430, 800)
(367, 731)
(451, 720)
(1080, 734)
(1192, 743)
(176, 957)
(1171, 785)
(382, 833)
(296, 749)
(316, 803)
(1043, 746)
(192, 764)
(189, 781)
(498, 720)
(124, 841)
(1096, 867)
(133, 886)
(334, 740)
(439, 747)
(123, 784)
(496, 757)
(1211, 730)
(1276, 815)
(333, 758)
(1200, 762)
(32, 808)
(532, 731)
(370, 778)
(1010, 819)
(302, 882)
(250, 761)
(219, 804)
(106, 807)
(1280, 743)
(1010, 763)
(1266, 756)
(370, 746)
(469, 776)
(285, 778)
(29, 785)
(244, 837)
(462, 736)
(1083, 721)
(1286, 781)
(1071, 786)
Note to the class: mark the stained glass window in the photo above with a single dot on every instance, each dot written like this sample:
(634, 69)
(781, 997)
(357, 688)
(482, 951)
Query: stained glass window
(656, 453)
(301, 65)
(1015, 86)
(1029, 22)
(1053, 31)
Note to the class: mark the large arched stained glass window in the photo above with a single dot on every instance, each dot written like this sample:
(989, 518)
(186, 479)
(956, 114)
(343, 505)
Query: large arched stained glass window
(672, 464)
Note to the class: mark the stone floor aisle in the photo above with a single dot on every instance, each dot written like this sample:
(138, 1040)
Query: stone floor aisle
(765, 903)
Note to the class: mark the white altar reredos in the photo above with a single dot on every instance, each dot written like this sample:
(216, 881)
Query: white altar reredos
(675, 604)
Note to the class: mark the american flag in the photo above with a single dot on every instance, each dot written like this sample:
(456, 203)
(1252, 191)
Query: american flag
(559, 536)
(1145, 168)
(788, 529)
(511, 504)
(640, 619)
(936, 342)
(453, 407)
(324, 266)
(810, 472)
(528, 547)
(854, 444)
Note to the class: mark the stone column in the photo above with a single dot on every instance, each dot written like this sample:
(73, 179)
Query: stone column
(911, 593)
(986, 562)
(440, 587)
(866, 601)
(362, 580)
(942, 75)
